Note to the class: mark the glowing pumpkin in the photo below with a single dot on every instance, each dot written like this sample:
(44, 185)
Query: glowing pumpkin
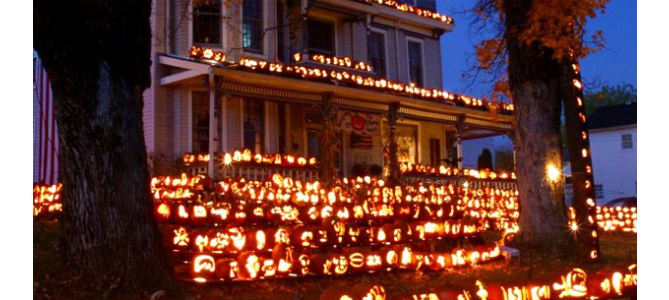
(202, 268)
(227, 269)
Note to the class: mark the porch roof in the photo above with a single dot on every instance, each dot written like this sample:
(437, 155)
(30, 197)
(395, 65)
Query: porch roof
(241, 82)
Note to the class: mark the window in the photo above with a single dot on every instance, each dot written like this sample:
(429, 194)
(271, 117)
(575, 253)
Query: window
(435, 152)
(407, 141)
(626, 140)
(254, 125)
(599, 191)
(207, 22)
(376, 52)
(252, 27)
(321, 37)
(415, 53)
(200, 111)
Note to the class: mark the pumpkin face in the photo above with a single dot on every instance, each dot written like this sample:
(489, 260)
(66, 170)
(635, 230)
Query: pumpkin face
(356, 260)
(249, 265)
(283, 256)
(368, 291)
(301, 267)
(320, 264)
(227, 269)
(181, 238)
(340, 263)
(203, 268)
(373, 261)
(163, 212)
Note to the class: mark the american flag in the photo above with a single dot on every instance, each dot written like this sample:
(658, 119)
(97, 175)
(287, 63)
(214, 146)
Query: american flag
(361, 141)
(45, 133)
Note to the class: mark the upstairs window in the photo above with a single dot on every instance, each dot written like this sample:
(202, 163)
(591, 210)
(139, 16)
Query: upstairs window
(599, 191)
(415, 53)
(254, 125)
(626, 140)
(376, 52)
(252, 27)
(321, 37)
(207, 22)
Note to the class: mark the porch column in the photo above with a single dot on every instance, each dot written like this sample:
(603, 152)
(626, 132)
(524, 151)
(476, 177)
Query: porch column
(327, 140)
(458, 137)
(394, 165)
(212, 123)
(224, 123)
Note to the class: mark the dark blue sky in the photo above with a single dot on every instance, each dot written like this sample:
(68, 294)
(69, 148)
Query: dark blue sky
(613, 65)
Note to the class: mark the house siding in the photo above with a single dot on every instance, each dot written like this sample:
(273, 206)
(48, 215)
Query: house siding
(613, 167)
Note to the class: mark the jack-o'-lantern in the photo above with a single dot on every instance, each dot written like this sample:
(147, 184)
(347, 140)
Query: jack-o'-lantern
(203, 268)
(237, 237)
(538, 292)
(373, 261)
(181, 238)
(340, 263)
(573, 285)
(322, 236)
(352, 233)
(301, 265)
(163, 212)
(336, 229)
(320, 264)
(278, 236)
(368, 291)
(339, 292)
(302, 236)
(267, 268)
(312, 161)
(219, 214)
(417, 261)
(282, 255)
(256, 240)
(341, 212)
(301, 161)
(255, 213)
(459, 257)
(199, 215)
(201, 241)
(356, 260)
(599, 284)
(441, 261)
(246, 155)
(227, 269)
(182, 214)
(257, 158)
(249, 265)
(390, 257)
(239, 214)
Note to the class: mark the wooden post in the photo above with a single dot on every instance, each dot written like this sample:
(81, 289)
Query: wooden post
(394, 176)
(212, 123)
(458, 137)
(224, 123)
(327, 140)
(583, 201)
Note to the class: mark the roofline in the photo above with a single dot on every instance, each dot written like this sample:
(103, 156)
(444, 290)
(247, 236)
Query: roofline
(613, 128)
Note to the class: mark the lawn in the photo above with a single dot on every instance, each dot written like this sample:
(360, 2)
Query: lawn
(51, 281)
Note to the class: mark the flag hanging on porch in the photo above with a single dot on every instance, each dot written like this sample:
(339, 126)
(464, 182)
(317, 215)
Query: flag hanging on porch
(45, 134)
(361, 141)
(358, 122)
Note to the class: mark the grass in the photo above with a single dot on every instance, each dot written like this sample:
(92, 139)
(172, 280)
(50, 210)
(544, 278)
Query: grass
(617, 251)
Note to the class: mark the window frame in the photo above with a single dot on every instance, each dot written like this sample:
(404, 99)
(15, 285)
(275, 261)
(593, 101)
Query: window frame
(333, 22)
(263, 119)
(385, 50)
(622, 141)
(601, 188)
(410, 39)
(191, 28)
(263, 19)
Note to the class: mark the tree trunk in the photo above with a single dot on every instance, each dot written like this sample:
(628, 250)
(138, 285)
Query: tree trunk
(534, 83)
(583, 201)
(328, 142)
(97, 55)
(394, 175)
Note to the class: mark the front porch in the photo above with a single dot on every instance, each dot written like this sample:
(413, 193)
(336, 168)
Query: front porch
(225, 107)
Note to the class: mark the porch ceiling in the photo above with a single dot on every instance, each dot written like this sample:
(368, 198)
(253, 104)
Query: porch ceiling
(250, 84)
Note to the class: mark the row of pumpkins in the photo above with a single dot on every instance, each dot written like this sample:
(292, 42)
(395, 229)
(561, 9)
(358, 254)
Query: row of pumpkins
(576, 284)
(286, 261)
(235, 239)
(283, 201)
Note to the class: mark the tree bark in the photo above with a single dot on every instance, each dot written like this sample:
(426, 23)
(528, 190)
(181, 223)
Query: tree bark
(583, 201)
(534, 82)
(97, 55)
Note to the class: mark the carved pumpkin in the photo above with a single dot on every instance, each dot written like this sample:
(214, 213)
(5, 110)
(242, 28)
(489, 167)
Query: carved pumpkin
(320, 264)
(163, 212)
(340, 263)
(368, 291)
(282, 255)
(227, 269)
(339, 292)
(249, 265)
(202, 268)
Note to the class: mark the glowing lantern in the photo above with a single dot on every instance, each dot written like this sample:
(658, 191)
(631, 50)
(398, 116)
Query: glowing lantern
(368, 291)
(249, 265)
(227, 269)
(282, 255)
(163, 211)
(202, 268)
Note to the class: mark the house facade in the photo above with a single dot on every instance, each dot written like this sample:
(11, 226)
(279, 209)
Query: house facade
(197, 105)
(613, 142)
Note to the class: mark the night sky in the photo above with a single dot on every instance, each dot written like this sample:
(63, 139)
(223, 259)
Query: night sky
(616, 64)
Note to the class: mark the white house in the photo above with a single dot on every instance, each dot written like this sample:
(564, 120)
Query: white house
(613, 144)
